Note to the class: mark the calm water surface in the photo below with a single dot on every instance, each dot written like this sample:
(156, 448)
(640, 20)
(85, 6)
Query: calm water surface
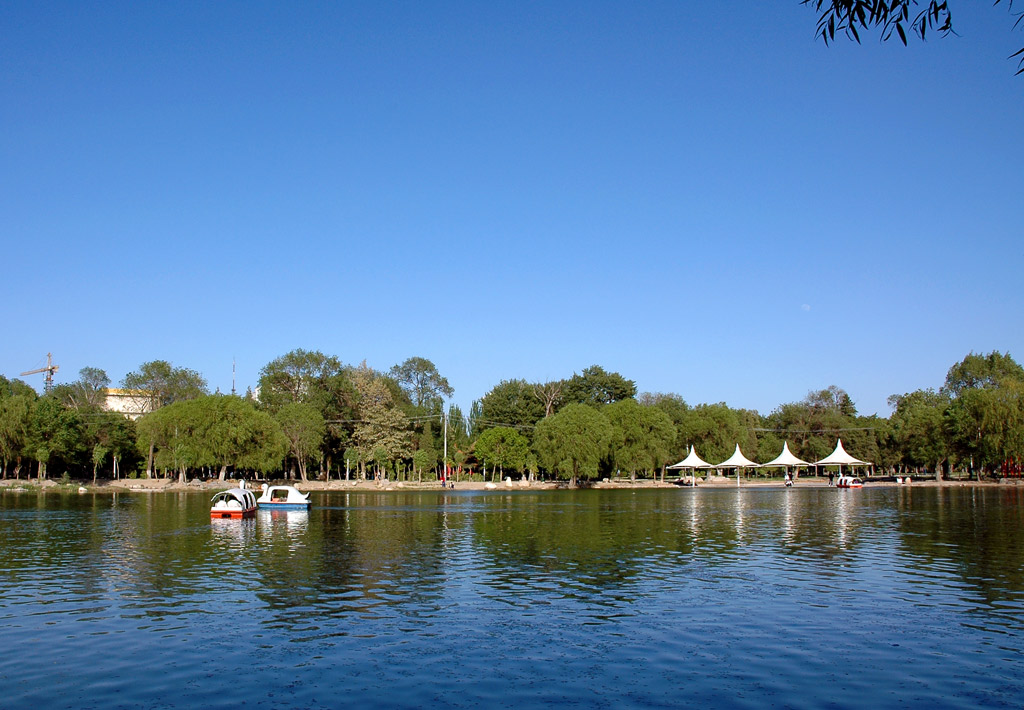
(736, 598)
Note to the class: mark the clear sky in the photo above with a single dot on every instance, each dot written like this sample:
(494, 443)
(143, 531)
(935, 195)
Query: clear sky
(700, 196)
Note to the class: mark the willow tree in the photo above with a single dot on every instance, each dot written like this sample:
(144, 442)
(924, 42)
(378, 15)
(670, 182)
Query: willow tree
(240, 436)
(642, 437)
(304, 430)
(174, 437)
(15, 423)
(902, 17)
(215, 432)
(503, 447)
(572, 442)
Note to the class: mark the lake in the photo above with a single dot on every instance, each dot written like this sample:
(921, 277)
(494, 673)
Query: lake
(816, 597)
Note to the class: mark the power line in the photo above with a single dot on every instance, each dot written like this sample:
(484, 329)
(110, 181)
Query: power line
(511, 426)
(428, 417)
(816, 431)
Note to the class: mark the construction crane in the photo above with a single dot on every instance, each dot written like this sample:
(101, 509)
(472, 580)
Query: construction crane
(49, 370)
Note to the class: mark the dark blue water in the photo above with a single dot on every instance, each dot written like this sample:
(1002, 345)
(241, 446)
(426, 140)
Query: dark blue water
(733, 598)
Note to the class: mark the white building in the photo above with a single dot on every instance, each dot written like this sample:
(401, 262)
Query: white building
(131, 403)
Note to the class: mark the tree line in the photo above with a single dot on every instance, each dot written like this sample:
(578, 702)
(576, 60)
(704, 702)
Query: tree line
(312, 416)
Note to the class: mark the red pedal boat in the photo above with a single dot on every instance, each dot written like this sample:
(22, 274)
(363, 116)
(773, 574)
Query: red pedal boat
(233, 503)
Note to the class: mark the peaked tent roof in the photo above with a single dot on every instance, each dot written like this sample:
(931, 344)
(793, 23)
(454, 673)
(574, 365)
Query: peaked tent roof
(737, 460)
(692, 460)
(786, 458)
(839, 457)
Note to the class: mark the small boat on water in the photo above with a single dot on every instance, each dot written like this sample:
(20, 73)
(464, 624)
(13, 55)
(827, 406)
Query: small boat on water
(283, 498)
(233, 503)
(849, 482)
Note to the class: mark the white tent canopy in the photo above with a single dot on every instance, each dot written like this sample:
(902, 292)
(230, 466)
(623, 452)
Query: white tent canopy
(786, 458)
(692, 460)
(839, 457)
(737, 460)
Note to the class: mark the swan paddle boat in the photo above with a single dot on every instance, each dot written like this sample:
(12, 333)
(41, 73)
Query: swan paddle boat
(283, 498)
(849, 482)
(233, 503)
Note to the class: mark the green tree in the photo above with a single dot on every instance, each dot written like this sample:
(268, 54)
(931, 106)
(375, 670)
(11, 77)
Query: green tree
(213, 431)
(509, 403)
(111, 434)
(813, 425)
(304, 430)
(424, 460)
(352, 459)
(984, 419)
(642, 437)
(300, 376)
(174, 437)
(102, 431)
(238, 435)
(321, 381)
(10, 388)
(89, 392)
(418, 389)
(382, 424)
(99, 455)
(55, 435)
(419, 378)
(918, 427)
(596, 387)
(715, 429)
(550, 394)
(982, 372)
(15, 424)
(459, 430)
(572, 442)
(676, 408)
(162, 384)
(503, 447)
(119, 435)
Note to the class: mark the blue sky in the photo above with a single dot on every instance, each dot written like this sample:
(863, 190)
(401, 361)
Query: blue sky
(701, 197)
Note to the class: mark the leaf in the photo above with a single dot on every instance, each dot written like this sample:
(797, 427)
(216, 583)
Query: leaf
(903, 35)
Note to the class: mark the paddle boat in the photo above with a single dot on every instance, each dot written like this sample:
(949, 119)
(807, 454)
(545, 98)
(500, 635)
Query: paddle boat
(849, 482)
(283, 498)
(233, 503)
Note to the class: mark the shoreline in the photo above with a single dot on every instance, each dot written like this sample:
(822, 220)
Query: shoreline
(159, 485)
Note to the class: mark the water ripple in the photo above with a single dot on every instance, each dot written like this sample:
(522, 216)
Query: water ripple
(803, 598)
